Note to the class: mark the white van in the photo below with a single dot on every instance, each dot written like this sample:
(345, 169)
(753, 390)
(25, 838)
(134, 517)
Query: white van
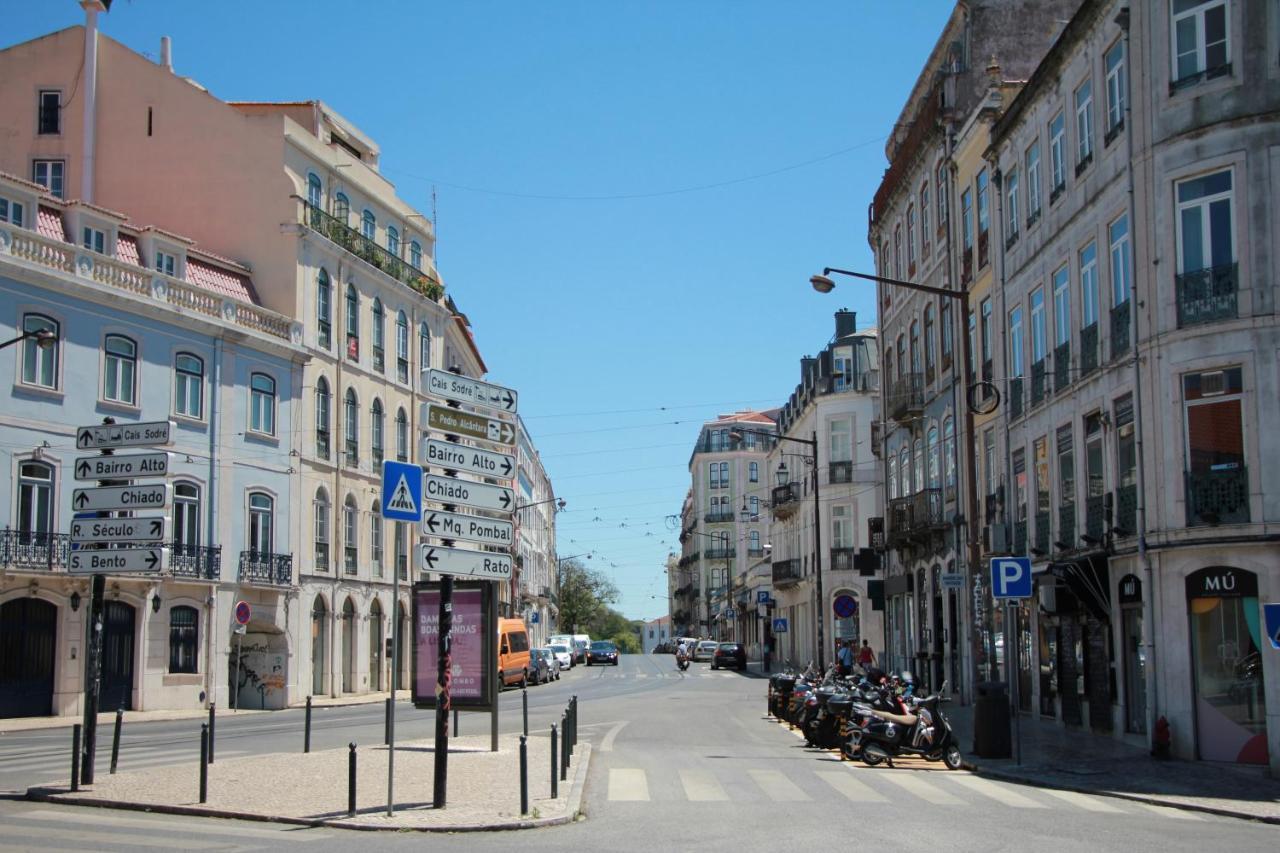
(579, 647)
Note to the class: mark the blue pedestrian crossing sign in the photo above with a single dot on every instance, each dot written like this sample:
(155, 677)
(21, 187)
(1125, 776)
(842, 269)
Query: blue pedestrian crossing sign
(401, 491)
(1010, 577)
(1271, 616)
(780, 625)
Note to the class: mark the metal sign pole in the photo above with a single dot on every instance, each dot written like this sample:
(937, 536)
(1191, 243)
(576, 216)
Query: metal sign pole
(1013, 642)
(235, 701)
(395, 673)
(443, 677)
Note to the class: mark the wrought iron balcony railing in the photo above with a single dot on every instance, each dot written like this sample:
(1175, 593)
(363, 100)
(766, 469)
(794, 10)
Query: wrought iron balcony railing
(1042, 533)
(1061, 367)
(1088, 349)
(32, 550)
(265, 568)
(785, 500)
(200, 562)
(786, 573)
(1095, 517)
(1218, 497)
(842, 559)
(840, 472)
(914, 517)
(719, 553)
(1120, 329)
(906, 397)
(1066, 540)
(1207, 295)
(719, 516)
(1127, 511)
(367, 250)
(1038, 372)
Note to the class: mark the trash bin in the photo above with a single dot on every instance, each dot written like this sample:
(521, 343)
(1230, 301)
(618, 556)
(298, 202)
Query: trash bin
(991, 721)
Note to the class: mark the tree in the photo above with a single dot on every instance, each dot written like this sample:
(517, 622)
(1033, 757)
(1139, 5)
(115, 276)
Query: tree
(585, 596)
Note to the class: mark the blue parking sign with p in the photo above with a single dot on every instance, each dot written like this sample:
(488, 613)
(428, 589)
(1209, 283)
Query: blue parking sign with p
(1010, 577)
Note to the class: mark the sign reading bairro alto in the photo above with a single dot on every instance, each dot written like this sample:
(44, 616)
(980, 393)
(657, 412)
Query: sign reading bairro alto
(457, 457)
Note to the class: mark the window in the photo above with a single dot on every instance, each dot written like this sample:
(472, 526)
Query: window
(261, 517)
(1061, 308)
(323, 413)
(935, 458)
(1066, 475)
(753, 472)
(949, 455)
(1033, 182)
(897, 250)
(966, 219)
(1201, 46)
(120, 370)
(989, 462)
(93, 239)
(375, 538)
(919, 463)
(351, 428)
(12, 212)
(341, 208)
(314, 190)
(324, 310)
(1217, 485)
(166, 263)
(1126, 467)
(1205, 236)
(1084, 125)
(930, 355)
(946, 332)
(379, 336)
(753, 507)
(188, 385)
(40, 364)
(911, 239)
(415, 254)
(35, 498)
(1015, 343)
(393, 240)
(1094, 479)
(1040, 452)
(942, 195)
(915, 346)
(368, 225)
(841, 432)
(48, 174)
(986, 339)
(353, 323)
(971, 343)
(402, 347)
(186, 518)
(375, 433)
(724, 476)
(262, 404)
(424, 345)
(1057, 167)
(902, 356)
(1089, 285)
(1011, 204)
(841, 526)
(753, 544)
(183, 641)
(350, 536)
(1020, 497)
(402, 436)
(1113, 62)
(321, 514)
(893, 477)
(49, 112)
(984, 217)
(924, 220)
(1118, 233)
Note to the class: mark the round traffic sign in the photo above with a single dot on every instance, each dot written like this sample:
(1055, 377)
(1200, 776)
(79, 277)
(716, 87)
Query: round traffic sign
(242, 612)
(845, 606)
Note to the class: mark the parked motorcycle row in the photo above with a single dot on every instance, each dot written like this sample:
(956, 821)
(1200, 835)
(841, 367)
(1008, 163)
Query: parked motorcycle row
(868, 715)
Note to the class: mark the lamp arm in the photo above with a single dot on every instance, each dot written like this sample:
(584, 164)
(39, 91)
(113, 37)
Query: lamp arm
(911, 285)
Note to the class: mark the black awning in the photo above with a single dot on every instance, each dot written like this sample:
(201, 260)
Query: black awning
(1087, 578)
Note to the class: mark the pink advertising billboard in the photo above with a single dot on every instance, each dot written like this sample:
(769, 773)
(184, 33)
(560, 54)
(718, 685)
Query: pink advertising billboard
(474, 634)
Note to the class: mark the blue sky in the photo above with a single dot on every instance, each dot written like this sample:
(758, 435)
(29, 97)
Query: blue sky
(630, 197)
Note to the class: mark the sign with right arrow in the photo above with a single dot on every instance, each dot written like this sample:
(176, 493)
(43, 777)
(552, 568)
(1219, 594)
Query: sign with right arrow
(458, 422)
(447, 490)
(458, 457)
(118, 530)
(463, 389)
(118, 561)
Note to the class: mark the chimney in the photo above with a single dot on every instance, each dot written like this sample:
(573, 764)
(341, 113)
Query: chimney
(166, 53)
(846, 323)
(806, 369)
(91, 10)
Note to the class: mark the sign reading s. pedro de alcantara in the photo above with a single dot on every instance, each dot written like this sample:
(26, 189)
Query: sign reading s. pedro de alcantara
(475, 631)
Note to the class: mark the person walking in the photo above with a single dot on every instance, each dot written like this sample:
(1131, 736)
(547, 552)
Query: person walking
(866, 657)
(845, 656)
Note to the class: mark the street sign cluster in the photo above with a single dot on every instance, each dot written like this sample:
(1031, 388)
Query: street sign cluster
(114, 545)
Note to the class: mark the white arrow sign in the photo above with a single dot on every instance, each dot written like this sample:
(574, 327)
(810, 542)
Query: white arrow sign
(473, 528)
(446, 490)
(451, 386)
(456, 561)
(155, 496)
(122, 467)
(445, 454)
(119, 529)
(146, 434)
(118, 561)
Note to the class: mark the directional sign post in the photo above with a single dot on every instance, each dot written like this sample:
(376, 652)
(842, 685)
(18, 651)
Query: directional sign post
(447, 490)
(401, 491)
(472, 528)
(457, 422)
(149, 529)
(148, 434)
(457, 457)
(108, 498)
(118, 561)
(122, 467)
(457, 561)
(462, 389)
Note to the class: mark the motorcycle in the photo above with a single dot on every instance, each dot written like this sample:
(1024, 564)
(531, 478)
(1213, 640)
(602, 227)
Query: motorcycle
(682, 661)
(919, 729)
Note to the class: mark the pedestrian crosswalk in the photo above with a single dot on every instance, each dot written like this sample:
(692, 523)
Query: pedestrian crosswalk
(24, 828)
(55, 765)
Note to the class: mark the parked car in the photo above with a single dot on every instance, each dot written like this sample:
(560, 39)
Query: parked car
(564, 658)
(580, 650)
(705, 650)
(729, 655)
(543, 666)
(565, 640)
(602, 651)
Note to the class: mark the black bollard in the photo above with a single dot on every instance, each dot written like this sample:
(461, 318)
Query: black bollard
(306, 737)
(204, 762)
(75, 757)
(386, 724)
(524, 702)
(351, 780)
(115, 739)
(566, 753)
(555, 771)
(455, 723)
(212, 721)
(524, 775)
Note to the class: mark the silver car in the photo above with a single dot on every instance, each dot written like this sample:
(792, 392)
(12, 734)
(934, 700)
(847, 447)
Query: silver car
(562, 656)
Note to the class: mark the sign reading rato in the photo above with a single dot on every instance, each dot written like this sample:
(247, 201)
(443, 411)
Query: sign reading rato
(474, 651)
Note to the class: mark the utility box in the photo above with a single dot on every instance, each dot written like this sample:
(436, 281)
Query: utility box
(991, 721)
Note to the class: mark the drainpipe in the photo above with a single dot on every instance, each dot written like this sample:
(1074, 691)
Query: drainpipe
(213, 497)
(338, 411)
(91, 10)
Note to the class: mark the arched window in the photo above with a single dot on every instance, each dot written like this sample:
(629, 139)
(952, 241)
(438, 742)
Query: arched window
(949, 455)
(375, 537)
(935, 472)
(402, 436)
(324, 310)
(753, 472)
(120, 370)
(314, 190)
(930, 357)
(183, 639)
(368, 224)
(350, 535)
(918, 477)
(321, 515)
(351, 428)
(353, 323)
(402, 347)
(323, 399)
(379, 336)
(262, 404)
(40, 364)
(376, 433)
(393, 240)
(188, 385)
(35, 498)
(261, 524)
(415, 254)
(342, 208)
(893, 477)
(186, 520)
(424, 345)
(904, 469)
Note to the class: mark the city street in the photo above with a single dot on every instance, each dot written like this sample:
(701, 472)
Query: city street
(680, 762)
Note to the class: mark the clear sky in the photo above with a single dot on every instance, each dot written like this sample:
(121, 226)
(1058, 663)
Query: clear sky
(630, 197)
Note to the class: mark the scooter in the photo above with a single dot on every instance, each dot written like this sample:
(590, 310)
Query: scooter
(682, 661)
(922, 730)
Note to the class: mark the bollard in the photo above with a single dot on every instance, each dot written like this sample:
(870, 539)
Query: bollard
(75, 758)
(386, 724)
(524, 775)
(306, 738)
(524, 702)
(573, 722)
(455, 723)
(351, 780)
(212, 721)
(204, 762)
(566, 753)
(115, 739)
(555, 771)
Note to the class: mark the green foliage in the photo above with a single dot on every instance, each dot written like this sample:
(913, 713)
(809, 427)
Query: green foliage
(585, 596)
(627, 643)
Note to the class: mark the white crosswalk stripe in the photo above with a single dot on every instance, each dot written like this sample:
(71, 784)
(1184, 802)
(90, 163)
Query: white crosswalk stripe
(1176, 814)
(778, 787)
(628, 784)
(1000, 792)
(911, 782)
(844, 782)
(702, 787)
(1089, 804)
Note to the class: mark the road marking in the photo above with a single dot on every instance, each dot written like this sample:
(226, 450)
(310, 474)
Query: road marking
(26, 848)
(1165, 811)
(851, 787)
(172, 843)
(778, 787)
(606, 745)
(289, 833)
(1001, 793)
(702, 787)
(642, 675)
(922, 789)
(1092, 804)
(129, 760)
(628, 785)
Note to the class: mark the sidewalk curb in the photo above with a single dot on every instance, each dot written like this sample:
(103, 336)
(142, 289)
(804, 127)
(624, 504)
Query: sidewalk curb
(573, 809)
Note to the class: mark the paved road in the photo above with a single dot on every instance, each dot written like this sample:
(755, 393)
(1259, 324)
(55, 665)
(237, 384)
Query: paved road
(690, 763)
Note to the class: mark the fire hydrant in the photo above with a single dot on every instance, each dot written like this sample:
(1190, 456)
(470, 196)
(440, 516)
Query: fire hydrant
(1160, 742)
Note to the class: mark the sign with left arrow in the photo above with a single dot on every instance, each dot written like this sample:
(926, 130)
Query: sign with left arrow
(118, 530)
(116, 561)
(447, 490)
(458, 561)
(142, 465)
(472, 528)
(105, 498)
(147, 434)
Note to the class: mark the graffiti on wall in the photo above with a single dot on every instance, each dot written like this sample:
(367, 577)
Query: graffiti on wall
(261, 672)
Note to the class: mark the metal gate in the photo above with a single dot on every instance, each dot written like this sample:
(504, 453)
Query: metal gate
(28, 638)
(117, 657)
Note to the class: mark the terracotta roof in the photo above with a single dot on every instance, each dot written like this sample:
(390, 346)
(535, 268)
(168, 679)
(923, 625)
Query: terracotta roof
(49, 224)
(127, 249)
(747, 417)
(220, 281)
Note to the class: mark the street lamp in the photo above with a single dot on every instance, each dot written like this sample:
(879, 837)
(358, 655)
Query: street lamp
(559, 502)
(812, 444)
(45, 338)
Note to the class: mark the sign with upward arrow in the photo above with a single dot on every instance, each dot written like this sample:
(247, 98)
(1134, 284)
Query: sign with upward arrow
(147, 529)
(463, 389)
(105, 498)
(116, 561)
(458, 422)
(147, 434)
(458, 457)
(142, 465)
(447, 490)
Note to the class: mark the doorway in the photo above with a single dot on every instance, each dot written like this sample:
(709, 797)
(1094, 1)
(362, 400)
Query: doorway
(28, 638)
(117, 656)
(348, 646)
(319, 642)
(375, 646)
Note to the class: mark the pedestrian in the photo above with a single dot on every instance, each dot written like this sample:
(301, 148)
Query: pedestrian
(845, 656)
(866, 657)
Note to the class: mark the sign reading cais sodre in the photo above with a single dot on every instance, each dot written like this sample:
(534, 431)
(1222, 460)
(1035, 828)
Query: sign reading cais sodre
(475, 631)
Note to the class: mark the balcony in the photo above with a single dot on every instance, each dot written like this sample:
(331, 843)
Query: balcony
(1037, 382)
(913, 518)
(840, 472)
(1218, 497)
(718, 516)
(906, 397)
(197, 562)
(720, 553)
(1120, 329)
(1088, 349)
(1061, 367)
(367, 250)
(785, 500)
(1041, 546)
(755, 552)
(786, 573)
(1066, 540)
(264, 568)
(1095, 519)
(842, 559)
(1126, 511)
(1207, 295)
(688, 560)
(1015, 397)
(32, 551)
